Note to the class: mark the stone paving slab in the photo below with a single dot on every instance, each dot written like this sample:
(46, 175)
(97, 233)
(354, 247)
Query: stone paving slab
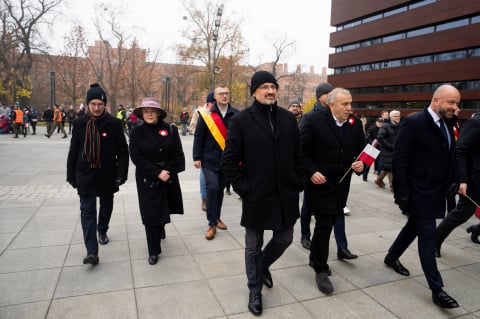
(41, 253)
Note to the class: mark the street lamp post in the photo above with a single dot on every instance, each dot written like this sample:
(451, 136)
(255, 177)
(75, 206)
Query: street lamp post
(215, 70)
(166, 93)
(52, 88)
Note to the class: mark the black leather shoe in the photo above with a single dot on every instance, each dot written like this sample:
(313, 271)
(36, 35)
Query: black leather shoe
(102, 239)
(255, 303)
(152, 260)
(475, 232)
(323, 283)
(306, 242)
(329, 271)
(344, 253)
(267, 279)
(396, 265)
(443, 300)
(91, 259)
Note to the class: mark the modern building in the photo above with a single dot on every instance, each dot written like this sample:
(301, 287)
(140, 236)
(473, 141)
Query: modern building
(395, 53)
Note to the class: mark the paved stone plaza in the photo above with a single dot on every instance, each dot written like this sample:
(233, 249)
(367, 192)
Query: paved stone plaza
(41, 253)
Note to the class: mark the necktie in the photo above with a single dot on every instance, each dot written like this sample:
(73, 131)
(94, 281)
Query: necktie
(443, 128)
(341, 131)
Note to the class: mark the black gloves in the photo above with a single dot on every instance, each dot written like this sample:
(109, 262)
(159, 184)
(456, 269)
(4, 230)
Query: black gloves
(402, 203)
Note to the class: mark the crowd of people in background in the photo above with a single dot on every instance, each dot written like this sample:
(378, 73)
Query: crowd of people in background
(271, 156)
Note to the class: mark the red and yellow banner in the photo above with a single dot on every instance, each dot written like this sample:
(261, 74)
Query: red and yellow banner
(215, 126)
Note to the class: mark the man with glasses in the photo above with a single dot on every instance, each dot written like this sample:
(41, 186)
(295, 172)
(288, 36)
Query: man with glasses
(97, 165)
(262, 159)
(208, 145)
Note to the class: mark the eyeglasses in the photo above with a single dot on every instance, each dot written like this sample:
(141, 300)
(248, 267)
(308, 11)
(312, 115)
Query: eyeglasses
(149, 111)
(223, 93)
(268, 87)
(93, 104)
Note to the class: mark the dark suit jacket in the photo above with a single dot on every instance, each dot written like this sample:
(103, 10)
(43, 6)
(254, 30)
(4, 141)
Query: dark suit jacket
(422, 165)
(467, 157)
(265, 168)
(324, 151)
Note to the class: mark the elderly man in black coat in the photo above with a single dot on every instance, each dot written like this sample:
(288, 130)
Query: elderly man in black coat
(331, 139)
(422, 172)
(262, 159)
(97, 165)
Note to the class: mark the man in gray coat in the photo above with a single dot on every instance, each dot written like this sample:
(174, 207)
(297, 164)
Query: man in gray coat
(262, 160)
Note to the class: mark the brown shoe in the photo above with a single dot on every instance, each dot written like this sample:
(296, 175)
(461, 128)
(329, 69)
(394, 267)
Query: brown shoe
(210, 234)
(221, 225)
(204, 205)
(379, 183)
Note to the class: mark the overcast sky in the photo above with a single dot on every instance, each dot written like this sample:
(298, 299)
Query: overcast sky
(157, 23)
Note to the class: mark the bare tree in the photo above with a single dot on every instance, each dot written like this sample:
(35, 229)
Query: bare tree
(70, 66)
(210, 35)
(19, 38)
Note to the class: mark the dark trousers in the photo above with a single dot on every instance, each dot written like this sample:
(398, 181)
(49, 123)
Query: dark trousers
(338, 228)
(215, 183)
(154, 234)
(457, 216)
(88, 214)
(425, 230)
(320, 241)
(257, 261)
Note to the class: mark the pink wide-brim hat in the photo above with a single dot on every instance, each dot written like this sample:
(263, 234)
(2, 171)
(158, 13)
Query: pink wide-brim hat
(152, 103)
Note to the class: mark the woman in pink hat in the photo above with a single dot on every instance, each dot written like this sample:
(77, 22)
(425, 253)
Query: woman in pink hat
(156, 150)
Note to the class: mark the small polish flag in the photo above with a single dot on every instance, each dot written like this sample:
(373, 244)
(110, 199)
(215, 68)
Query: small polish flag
(368, 155)
(477, 212)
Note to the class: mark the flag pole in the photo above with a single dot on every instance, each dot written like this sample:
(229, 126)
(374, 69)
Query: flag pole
(470, 199)
(344, 175)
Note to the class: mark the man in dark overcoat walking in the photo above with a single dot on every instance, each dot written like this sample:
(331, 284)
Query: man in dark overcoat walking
(422, 172)
(97, 165)
(332, 139)
(262, 160)
(467, 178)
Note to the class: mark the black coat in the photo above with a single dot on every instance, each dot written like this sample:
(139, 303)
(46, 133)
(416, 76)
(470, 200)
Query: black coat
(422, 165)
(154, 148)
(113, 157)
(386, 137)
(325, 152)
(467, 157)
(265, 168)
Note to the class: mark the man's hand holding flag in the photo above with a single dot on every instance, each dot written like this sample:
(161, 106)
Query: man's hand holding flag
(368, 156)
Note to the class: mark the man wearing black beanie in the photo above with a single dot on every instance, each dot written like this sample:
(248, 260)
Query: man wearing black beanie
(97, 165)
(262, 159)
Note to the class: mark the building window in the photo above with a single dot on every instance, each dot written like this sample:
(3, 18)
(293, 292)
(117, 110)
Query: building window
(393, 37)
(418, 32)
(420, 4)
(452, 25)
(394, 11)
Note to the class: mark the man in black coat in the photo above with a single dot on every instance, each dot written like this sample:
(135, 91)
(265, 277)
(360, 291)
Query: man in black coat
(97, 165)
(262, 160)
(467, 177)
(208, 146)
(422, 169)
(331, 139)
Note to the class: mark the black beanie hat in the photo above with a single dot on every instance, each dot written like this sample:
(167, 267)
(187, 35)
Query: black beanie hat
(96, 92)
(261, 77)
(323, 88)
